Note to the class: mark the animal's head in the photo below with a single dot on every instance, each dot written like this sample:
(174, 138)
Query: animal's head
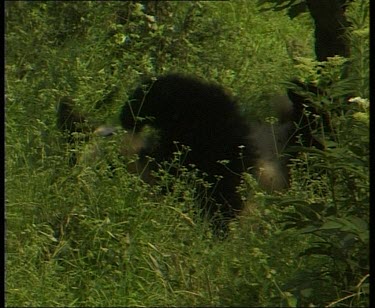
(136, 113)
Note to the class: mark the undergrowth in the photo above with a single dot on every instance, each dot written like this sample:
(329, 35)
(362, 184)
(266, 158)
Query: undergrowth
(94, 234)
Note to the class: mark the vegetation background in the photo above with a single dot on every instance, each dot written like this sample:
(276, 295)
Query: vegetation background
(89, 236)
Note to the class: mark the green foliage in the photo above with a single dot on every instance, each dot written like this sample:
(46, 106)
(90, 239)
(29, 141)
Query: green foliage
(96, 235)
(329, 197)
(360, 45)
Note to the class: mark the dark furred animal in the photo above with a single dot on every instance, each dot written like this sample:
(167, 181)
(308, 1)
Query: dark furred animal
(189, 111)
(205, 118)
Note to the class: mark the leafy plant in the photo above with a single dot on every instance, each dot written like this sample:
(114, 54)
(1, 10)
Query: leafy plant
(329, 199)
(96, 235)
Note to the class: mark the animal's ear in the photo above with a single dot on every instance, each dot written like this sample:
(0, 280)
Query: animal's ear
(134, 116)
(68, 119)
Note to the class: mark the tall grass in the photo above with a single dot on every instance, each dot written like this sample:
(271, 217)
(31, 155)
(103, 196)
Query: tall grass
(96, 235)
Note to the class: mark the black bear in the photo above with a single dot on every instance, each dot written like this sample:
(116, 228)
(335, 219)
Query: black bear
(190, 112)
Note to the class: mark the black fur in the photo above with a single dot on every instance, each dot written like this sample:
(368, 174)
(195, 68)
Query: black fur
(205, 118)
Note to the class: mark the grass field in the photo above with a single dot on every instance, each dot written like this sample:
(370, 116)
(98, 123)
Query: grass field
(96, 235)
